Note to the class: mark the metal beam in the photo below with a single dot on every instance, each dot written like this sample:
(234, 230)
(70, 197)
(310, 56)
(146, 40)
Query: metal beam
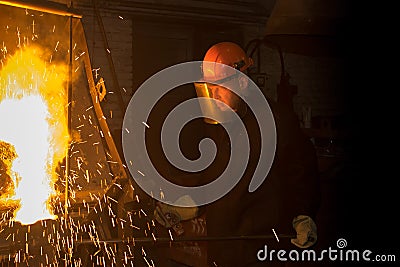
(228, 11)
(44, 6)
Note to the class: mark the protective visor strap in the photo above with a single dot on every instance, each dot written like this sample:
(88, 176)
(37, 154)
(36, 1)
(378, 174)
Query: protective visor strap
(223, 80)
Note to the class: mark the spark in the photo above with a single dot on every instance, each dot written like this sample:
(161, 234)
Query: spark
(143, 252)
(170, 234)
(87, 176)
(148, 264)
(97, 252)
(276, 236)
(110, 198)
(19, 37)
(118, 185)
(144, 213)
(134, 226)
(162, 194)
(145, 124)
(81, 54)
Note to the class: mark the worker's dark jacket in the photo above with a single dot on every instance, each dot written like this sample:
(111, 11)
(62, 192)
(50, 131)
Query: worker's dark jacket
(290, 189)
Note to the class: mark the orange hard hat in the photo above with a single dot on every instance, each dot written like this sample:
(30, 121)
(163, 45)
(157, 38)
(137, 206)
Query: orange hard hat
(227, 53)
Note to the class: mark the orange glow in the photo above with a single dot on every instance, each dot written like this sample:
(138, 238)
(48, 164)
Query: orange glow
(33, 119)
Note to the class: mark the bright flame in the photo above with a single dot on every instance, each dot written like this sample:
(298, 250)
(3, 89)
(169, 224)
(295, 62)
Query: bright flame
(33, 118)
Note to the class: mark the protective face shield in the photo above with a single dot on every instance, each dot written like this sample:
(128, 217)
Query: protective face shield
(221, 99)
(224, 84)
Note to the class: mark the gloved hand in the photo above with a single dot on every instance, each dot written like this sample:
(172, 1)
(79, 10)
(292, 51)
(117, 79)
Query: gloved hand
(169, 215)
(306, 230)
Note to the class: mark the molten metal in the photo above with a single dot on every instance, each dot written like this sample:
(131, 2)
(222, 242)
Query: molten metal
(33, 108)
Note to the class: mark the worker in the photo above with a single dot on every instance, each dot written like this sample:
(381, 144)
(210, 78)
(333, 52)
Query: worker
(286, 202)
(242, 224)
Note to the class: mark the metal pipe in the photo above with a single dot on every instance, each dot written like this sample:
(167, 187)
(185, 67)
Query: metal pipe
(188, 239)
(44, 6)
(69, 112)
